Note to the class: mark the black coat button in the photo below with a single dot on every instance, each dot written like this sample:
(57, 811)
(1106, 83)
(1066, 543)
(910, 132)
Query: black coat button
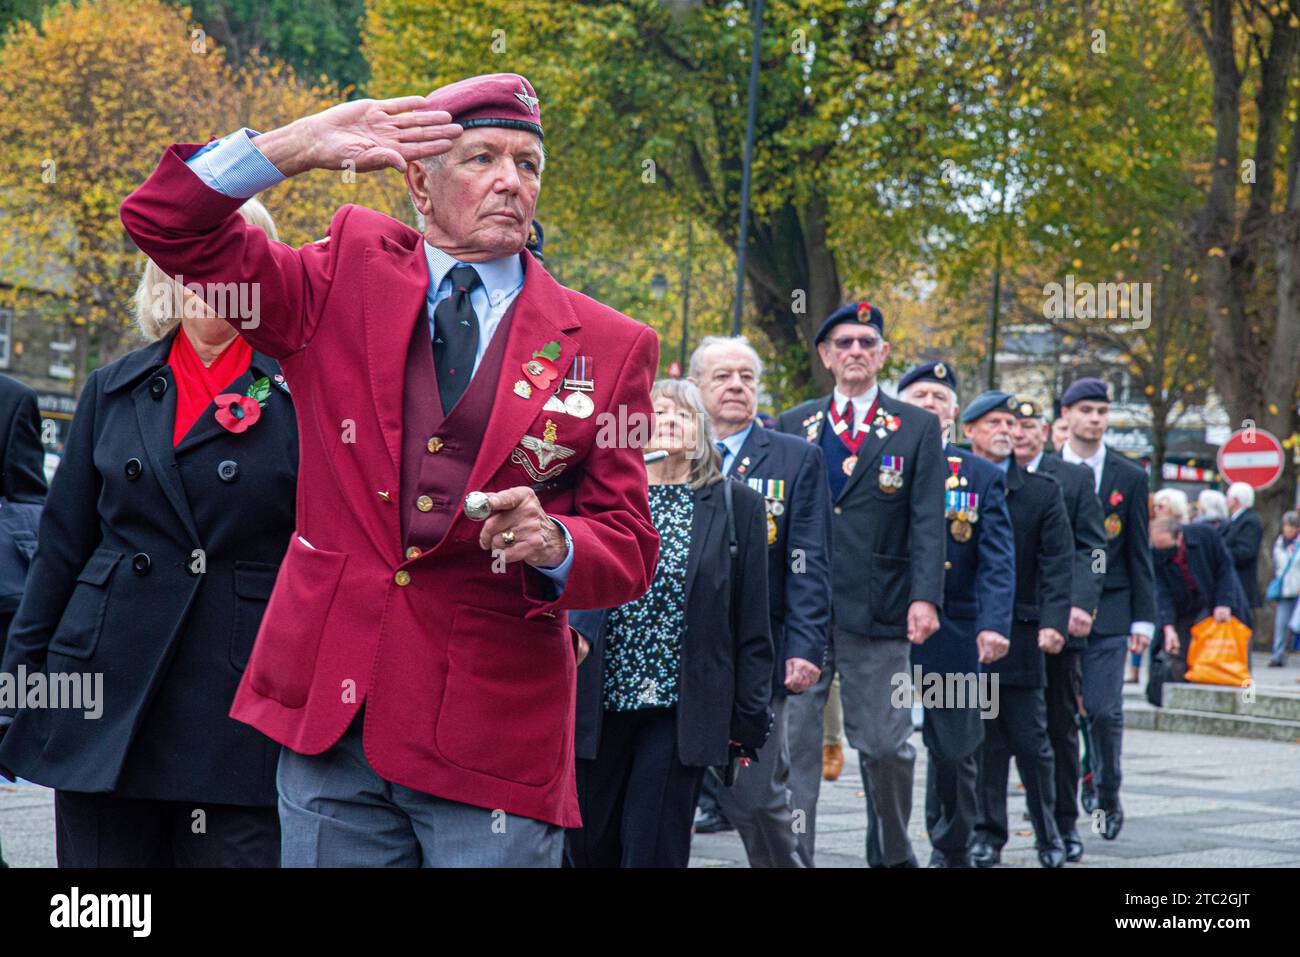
(133, 469)
(157, 387)
(228, 470)
(140, 563)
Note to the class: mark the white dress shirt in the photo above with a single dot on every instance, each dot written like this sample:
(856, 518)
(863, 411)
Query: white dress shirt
(861, 405)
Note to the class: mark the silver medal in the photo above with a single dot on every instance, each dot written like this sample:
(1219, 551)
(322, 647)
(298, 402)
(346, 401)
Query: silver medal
(579, 405)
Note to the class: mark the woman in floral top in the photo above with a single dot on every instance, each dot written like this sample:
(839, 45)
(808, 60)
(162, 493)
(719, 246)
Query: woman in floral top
(679, 679)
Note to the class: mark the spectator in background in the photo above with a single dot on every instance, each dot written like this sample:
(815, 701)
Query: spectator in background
(1212, 508)
(1166, 503)
(1060, 432)
(1194, 579)
(1243, 533)
(1285, 586)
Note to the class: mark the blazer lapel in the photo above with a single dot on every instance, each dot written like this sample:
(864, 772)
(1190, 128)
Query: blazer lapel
(706, 507)
(395, 284)
(754, 448)
(1015, 478)
(1108, 474)
(542, 315)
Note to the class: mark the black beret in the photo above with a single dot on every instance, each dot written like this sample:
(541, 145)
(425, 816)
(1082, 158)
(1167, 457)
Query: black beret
(863, 313)
(535, 239)
(987, 402)
(929, 372)
(1027, 409)
(1085, 390)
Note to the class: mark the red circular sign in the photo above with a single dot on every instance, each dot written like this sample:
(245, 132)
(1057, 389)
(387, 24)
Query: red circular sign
(1252, 456)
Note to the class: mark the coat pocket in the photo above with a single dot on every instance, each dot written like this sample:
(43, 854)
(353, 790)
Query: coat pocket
(283, 663)
(889, 583)
(78, 630)
(253, 584)
(507, 707)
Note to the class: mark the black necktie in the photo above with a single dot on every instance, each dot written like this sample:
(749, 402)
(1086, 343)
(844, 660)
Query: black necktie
(455, 337)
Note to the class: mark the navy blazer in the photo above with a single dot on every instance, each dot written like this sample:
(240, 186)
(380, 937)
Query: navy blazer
(153, 569)
(1084, 510)
(1210, 565)
(980, 580)
(1128, 592)
(22, 469)
(791, 472)
(725, 672)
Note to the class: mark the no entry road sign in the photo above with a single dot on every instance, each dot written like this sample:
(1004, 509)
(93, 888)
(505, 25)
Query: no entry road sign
(1252, 456)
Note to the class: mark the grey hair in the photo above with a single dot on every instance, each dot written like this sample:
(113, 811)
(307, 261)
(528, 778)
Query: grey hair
(1175, 499)
(158, 299)
(708, 342)
(956, 401)
(1242, 493)
(1292, 519)
(1213, 504)
(441, 160)
(1167, 524)
(706, 463)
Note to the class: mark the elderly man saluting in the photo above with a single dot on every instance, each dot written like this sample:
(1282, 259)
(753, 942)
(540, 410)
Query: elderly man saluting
(425, 367)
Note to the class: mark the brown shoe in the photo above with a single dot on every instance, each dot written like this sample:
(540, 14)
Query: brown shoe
(832, 761)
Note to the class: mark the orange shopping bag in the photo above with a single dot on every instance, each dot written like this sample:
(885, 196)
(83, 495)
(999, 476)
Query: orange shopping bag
(1218, 655)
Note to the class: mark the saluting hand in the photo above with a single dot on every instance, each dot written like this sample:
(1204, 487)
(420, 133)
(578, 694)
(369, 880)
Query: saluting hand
(361, 136)
(922, 621)
(537, 540)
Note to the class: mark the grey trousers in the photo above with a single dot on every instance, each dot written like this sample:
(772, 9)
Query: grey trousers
(804, 717)
(335, 811)
(879, 731)
(758, 803)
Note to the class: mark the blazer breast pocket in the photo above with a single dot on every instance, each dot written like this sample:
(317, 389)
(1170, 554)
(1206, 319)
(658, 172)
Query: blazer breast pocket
(78, 630)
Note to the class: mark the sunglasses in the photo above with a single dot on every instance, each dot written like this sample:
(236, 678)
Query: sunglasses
(845, 343)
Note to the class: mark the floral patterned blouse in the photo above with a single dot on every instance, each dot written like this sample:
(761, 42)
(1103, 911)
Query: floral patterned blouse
(644, 637)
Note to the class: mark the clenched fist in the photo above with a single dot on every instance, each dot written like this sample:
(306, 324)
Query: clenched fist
(521, 530)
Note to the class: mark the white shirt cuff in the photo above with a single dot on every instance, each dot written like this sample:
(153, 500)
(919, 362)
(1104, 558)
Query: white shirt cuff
(234, 166)
(1145, 628)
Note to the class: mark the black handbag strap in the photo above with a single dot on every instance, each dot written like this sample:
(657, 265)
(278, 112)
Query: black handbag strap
(733, 543)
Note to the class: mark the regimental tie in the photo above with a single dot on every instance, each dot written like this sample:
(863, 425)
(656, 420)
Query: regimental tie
(455, 337)
(841, 425)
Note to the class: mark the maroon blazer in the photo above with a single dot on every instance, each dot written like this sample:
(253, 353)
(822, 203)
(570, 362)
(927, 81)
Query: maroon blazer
(467, 673)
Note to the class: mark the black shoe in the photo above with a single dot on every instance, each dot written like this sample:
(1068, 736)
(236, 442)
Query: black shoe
(940, 858)
(1088, 797)
(711, 822)
(1114, 821)
(1073, 846)
(985, 855)
(1052, 856)
(1273, 663)
(910, 862)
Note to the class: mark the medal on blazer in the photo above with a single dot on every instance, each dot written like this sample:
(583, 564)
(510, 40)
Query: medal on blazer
(960, 529)
(811, 424)
(890, 478)
(771, 530)
(1113, 526)
(523, 389)
(581, 381)
(954, 466)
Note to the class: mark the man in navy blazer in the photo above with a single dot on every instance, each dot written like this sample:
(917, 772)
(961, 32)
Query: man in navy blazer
(974, 624)
(789, 473)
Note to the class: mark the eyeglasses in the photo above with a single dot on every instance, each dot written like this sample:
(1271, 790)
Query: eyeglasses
(845, 343)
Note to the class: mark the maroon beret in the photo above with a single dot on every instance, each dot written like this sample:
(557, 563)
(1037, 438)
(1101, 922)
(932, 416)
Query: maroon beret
(493, 99)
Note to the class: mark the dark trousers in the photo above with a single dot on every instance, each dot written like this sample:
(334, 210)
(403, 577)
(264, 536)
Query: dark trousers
(1064, 688)
(952, 739)
(637, 799)
(1019, 730)
(102, 830)
(1103, 700)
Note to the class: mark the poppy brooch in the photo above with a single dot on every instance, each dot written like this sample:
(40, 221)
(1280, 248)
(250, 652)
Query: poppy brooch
(541, 370)
(237, 413)
(1116, 497)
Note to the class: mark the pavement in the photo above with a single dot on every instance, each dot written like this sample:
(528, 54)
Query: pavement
(1189, 801)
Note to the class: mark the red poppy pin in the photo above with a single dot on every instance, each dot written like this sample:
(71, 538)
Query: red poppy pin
(1116, 497)
(237, 413)
(541, 369)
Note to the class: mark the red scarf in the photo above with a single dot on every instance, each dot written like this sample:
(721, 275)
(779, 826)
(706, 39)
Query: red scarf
(196, 384)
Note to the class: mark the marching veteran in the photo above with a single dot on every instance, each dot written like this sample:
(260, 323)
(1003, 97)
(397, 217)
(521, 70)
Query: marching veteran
(418, 666)
(884, 468)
